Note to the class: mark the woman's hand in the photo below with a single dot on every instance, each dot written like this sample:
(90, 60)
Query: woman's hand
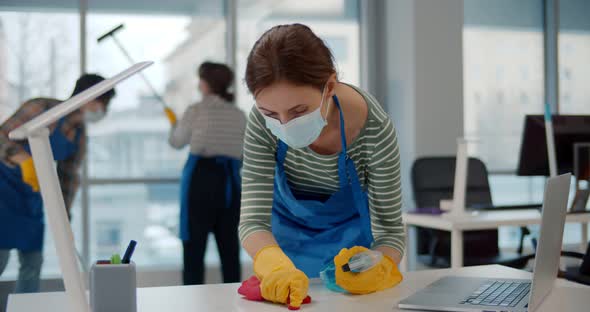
(280, 280)
(27, 169)
(382, 276)
(171, 116)
(29, 175)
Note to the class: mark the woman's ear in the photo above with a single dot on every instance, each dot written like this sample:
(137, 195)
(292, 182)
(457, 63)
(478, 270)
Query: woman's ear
(204, 87)
(331, 86)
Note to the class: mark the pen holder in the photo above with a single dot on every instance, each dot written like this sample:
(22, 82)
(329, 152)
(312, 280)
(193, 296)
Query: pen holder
(113, 288)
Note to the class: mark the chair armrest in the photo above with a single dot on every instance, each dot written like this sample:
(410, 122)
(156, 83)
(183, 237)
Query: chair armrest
(506, 207)
(569, 254)
(572, 254)
(524, 231)
(432, 249)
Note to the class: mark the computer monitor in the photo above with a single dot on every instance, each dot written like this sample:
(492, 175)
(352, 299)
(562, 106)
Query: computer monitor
(567, 129)
(582, 161)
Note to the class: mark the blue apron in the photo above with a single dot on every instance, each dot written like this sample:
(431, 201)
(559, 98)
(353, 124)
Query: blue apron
(21, 209)
(233, 185)
(310, 228)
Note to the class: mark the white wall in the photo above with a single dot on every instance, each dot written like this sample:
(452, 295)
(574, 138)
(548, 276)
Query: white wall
(424, 76)
(439, 76)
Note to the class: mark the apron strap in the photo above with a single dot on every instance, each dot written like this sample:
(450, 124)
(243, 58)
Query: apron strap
(282, 148)
(78, 135)
(231, 169)
(60, 124)
(359, 196)
(348, 173)
(344, 172)
(342, 133)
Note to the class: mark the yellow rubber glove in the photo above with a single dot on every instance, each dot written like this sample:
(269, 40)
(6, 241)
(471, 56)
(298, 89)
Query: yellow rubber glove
(382, 276)
(170, 115)
(280, 280)
(29, 174)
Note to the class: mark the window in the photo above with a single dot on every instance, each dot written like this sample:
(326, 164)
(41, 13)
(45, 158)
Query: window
(502, 75)
(108, 238)
(147, 213)
(132, 142)
(574, 57)
(335, 21)
(39, 56)
(31, 39)
(503, 81)
(133, 173)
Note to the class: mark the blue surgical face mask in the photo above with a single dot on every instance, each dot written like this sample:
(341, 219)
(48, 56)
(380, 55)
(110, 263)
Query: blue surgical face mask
(301, 131)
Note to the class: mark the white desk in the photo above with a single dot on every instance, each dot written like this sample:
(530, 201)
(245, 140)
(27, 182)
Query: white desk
(223, 297)
(483, 220)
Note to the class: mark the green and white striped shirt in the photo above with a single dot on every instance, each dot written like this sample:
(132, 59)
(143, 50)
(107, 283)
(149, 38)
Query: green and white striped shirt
(376, 157)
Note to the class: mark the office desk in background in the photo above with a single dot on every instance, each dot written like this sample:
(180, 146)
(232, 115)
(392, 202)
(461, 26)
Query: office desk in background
(482, 220)
(566, 297)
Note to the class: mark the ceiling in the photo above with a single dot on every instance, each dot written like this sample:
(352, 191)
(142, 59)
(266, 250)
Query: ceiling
(167, 7)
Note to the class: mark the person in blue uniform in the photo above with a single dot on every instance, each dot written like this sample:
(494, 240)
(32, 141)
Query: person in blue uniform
(21, 208)
(210, 189)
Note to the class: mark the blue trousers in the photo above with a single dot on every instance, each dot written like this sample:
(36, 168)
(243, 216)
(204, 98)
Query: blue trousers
(29, 271)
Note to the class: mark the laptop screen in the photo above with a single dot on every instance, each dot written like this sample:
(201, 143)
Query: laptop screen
(550, 238)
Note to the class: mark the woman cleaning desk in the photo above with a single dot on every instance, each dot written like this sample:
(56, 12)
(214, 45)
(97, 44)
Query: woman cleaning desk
(321, 175)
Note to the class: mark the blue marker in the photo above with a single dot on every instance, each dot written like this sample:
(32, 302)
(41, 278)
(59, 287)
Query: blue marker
(129, 252)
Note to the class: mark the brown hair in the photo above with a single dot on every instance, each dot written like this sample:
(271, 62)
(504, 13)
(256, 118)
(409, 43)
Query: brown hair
(290, 53)
(219, 77)
(88, 80)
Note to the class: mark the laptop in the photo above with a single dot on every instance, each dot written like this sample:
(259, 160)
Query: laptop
(455, 293)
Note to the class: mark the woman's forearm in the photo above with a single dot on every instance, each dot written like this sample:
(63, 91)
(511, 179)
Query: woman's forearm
(256, 241)
(395, 255)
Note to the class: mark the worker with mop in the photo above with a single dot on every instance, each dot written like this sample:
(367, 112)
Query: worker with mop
(21, 207)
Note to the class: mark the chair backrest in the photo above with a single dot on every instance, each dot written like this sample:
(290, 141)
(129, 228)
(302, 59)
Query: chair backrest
(585, 267)
(433, 179)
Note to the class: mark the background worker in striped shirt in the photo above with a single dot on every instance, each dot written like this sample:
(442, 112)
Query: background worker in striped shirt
(21, 207)
(321, 173)
(210, 186)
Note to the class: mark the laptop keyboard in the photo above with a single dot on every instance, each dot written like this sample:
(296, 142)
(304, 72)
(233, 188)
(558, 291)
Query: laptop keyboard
(494, 293)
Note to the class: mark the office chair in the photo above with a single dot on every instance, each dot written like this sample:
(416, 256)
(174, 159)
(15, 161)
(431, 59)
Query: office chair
(579, 274)
(433, 180)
